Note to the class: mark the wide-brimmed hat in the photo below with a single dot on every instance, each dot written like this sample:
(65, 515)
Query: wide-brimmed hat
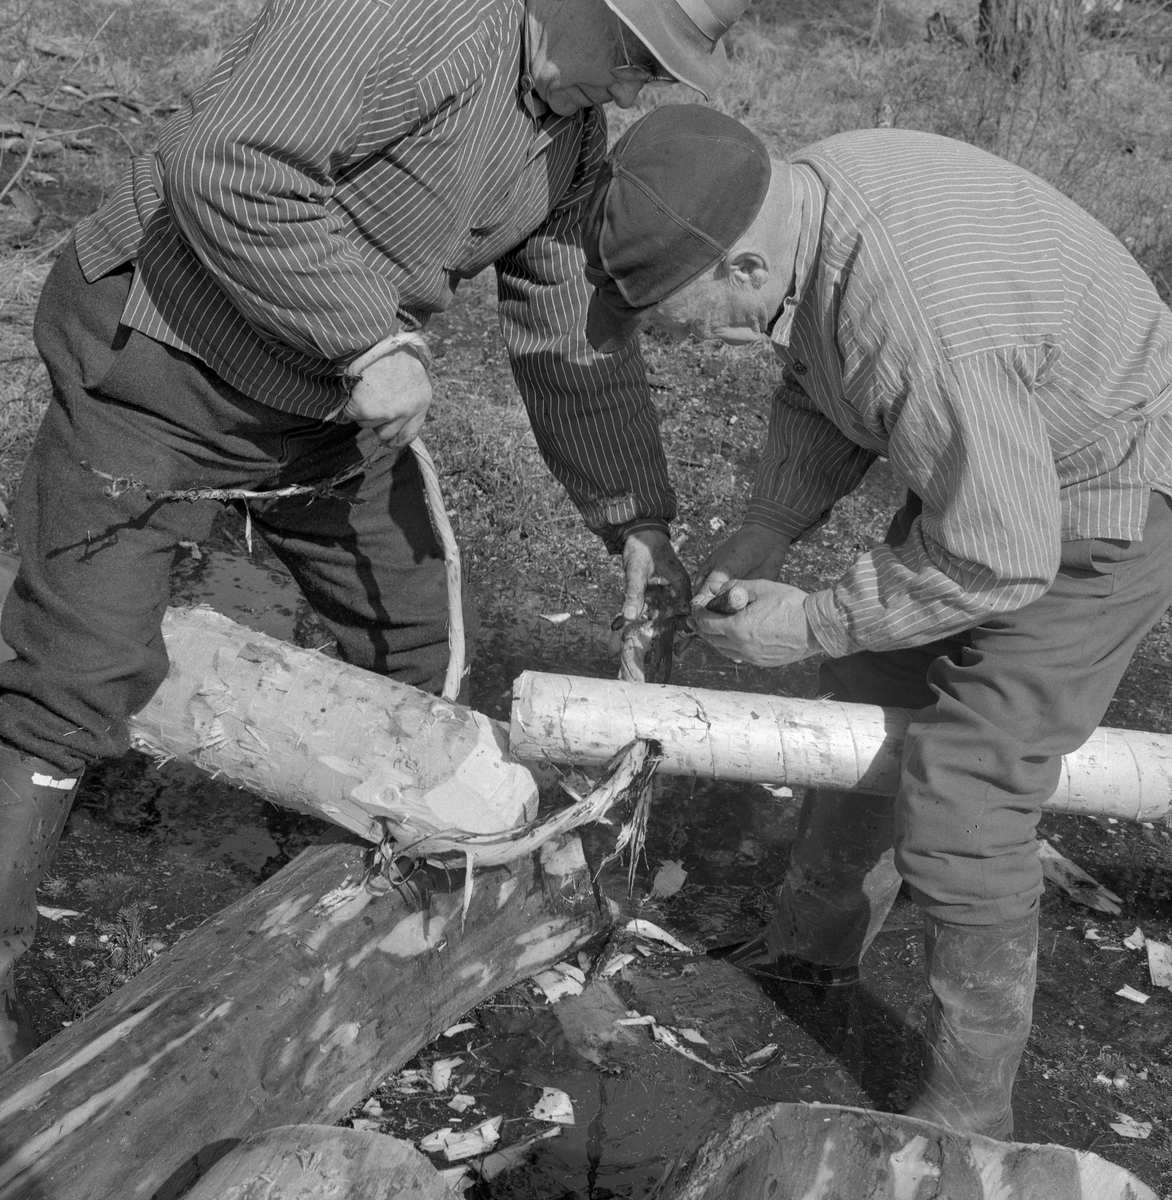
(684, 35)
(672, 198)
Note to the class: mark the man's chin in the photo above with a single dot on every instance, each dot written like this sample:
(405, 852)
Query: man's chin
(567, 101)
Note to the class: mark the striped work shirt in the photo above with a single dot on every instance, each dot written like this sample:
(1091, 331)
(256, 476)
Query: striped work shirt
(347, 163)
(960, 317)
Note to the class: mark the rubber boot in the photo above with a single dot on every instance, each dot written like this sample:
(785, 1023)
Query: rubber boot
(982, 981)
(838, 889)
(35, 799)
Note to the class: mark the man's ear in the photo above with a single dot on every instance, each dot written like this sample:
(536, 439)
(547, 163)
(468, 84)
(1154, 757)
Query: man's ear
(748, 268)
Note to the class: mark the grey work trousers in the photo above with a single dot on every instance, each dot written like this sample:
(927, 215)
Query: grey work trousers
(996, 708)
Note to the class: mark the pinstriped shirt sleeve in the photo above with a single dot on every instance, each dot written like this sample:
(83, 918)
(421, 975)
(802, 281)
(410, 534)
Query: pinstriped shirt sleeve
(251, 181)
(591, 413)
(989, 537)
(807, 466)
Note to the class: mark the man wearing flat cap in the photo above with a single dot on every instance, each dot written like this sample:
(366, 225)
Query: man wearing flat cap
(939, 307)
(347, 163)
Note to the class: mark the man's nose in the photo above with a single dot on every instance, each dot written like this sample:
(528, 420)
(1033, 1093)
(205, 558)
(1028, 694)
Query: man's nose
(624, 92)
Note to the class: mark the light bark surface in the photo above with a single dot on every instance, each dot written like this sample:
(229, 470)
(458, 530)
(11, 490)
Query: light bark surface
(287, 1007)
(756, 738)
(826, 1152)
(321, 1162)
(319, 736)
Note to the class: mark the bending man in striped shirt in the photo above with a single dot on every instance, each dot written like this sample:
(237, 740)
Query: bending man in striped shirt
(937, 306)
(347, 163)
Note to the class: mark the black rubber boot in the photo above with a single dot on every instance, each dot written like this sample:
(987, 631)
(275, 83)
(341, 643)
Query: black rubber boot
(982, 980)
(35, 799)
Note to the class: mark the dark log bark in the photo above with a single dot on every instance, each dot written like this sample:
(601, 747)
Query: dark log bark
(287, 1007)
(316, 1162)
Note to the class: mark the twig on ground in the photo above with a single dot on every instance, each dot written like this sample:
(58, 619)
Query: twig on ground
(17, 80)
(28, 154)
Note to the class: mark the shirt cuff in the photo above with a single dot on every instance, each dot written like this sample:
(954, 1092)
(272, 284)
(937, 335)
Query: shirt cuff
(786, 521)
(618, 534)
(826, 624)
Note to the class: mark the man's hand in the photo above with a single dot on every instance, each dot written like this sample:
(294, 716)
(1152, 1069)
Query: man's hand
(757, 621)
(753, 552)
(649, 558)
(391, 397)
(657, 595)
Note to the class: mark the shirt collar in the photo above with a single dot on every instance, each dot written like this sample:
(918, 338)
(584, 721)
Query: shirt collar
(530, 100)
(809, 200)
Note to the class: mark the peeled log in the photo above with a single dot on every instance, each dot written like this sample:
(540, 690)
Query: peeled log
(313, 1162)
(824, 1151)
(805, 743)
(287, 1007)
(314, 734)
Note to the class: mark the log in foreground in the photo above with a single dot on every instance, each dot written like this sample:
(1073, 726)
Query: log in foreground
(322, 1162)
(289, 1006)
(806, 743)
(824, 1152)
(320, 736)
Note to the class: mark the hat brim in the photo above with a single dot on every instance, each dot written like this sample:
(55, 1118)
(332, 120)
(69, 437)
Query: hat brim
(666, 31)
(608, 329)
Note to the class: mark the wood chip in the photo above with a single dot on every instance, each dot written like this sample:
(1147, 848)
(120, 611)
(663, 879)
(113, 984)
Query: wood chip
(1075, 882)
(1160, 963)
(668, 880)
(649, 929)
(554, 1106)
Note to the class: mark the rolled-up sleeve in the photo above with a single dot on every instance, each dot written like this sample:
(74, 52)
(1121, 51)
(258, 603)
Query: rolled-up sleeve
(250, 179)
(591, 413)
(988, 539)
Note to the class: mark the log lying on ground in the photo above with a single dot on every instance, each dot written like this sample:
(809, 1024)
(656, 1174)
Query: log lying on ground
(287, 1007)
(322, 737)
(316, 1162)
(824, 1151)
(808, 743)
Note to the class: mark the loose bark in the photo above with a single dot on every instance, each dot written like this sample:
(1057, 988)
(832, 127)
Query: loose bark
(289, 1006)
(322, 737)
(313, 1162)
(807, 743)
(824, 1151)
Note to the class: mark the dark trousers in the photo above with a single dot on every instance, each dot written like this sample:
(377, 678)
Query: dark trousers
(84, 614)
(997, 707)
